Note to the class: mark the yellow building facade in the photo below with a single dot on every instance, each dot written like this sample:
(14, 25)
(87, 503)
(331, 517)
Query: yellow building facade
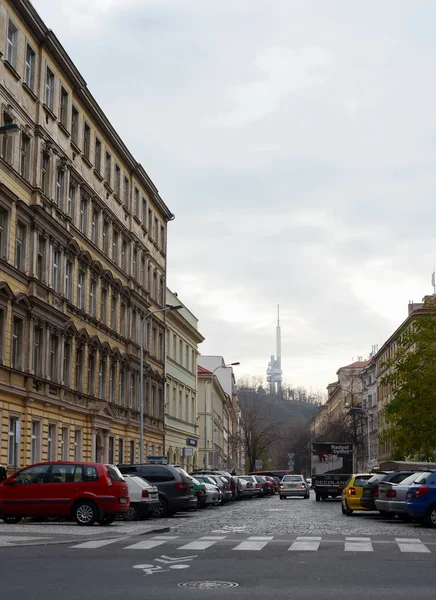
(83, 237)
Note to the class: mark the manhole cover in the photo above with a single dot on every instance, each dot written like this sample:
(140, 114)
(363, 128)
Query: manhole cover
(208, 585)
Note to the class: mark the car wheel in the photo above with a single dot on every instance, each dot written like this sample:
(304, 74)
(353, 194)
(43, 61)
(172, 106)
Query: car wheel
(348, 512)
(307, 496)
(132, 514)
(281, 497)
(12, 520)
(344, 512)
(386, 515)
(85, 513)
(405, 517)
(201, 503)
(162, 511)
(430, 517)
(107, 519)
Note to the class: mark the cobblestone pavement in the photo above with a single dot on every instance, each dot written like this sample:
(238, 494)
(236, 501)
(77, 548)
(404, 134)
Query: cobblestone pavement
(269, 516)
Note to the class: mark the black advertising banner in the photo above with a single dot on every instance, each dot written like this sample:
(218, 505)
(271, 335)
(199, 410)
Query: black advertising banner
(332, 457)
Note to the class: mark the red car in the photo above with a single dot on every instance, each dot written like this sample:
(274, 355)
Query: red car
(86, 492)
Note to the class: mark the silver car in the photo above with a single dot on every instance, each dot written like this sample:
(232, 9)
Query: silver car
(294, 485)
(391, 499)
(246, 487)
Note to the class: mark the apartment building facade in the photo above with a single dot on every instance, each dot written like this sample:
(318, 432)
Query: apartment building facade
(83, 237)
(181, 418)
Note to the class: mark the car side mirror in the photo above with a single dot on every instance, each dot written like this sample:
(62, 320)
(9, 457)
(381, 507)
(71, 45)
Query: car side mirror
(11, 481)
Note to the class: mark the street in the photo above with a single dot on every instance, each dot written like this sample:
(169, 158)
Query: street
(293, 548)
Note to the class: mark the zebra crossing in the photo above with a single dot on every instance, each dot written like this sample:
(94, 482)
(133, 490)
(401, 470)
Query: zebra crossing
(261, 543)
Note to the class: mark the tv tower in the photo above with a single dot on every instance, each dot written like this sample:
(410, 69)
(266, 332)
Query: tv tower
(274, 371)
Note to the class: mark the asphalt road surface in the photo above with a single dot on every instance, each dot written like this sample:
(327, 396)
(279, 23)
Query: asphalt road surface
(244, 550)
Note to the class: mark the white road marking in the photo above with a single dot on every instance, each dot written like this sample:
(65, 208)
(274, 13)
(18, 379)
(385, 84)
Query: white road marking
(198, 545)
(306, 544)
(254, 543)
(411, 545)
(95, 543)
(145, 545)
(358, 544)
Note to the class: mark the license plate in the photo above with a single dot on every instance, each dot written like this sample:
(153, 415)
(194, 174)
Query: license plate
(154, 496)
(123, 500)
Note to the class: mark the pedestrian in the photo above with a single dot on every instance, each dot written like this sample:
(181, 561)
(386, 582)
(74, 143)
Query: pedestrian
(233, 473)
(3, 473)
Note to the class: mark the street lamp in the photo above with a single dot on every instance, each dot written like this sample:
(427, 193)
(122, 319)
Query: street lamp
(144, 320)
(366, 413)
(10, 129)
(233, 364)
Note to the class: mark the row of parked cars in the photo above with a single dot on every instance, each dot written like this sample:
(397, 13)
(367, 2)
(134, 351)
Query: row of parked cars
(97, 493)
(408, 494)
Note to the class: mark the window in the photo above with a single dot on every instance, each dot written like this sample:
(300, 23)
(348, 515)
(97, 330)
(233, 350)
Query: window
(122, 389)
(143, 282)
(25, 156)
(29, 75)
(120, 451)
(180, 352)
(64, 107)
(49, 88)
(187, 356)
(75, 125)
(60, 178)
(124, 255)
(79, 369)
(112, 379)
(162, 237)
(114, 312)
(132, 389)
(115, 246)
(12, 43)
(134, 263)
(83, 214)
(123, 319)
(40, 259)
(154, 341)
(94, 226)
(117, 180)
(8, 141)
(150, 222)
(77, 444)
(56, 270)
(154, 289)
(45, 173)
(69, 279)
(3, 232)
(132, 452)
(126, 191)
(136, 208)
(111, 450)
(53, 357)
(156, 230)
(35, 447)
(108, 168)
(193, 368)
(103, 305)
(153, 400)
(86, 140)
(97, 155)
(67, 363)
(144, 211)
(91, 373)
(71, 200)
(37, 350)
(65, 443)
(36, 474)
(93, 298)
(102, 378)
(17, 344)
(20, 246)
(52, 442)
(174, 346)
(81, 284)
(106, 237)
(2, 334)
(13, 446)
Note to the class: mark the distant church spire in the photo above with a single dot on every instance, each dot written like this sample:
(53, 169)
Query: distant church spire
(274, 371)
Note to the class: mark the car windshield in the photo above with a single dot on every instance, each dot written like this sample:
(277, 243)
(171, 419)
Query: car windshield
(292, 478)
(376, 478)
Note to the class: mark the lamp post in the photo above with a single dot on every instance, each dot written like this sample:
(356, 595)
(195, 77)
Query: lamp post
(144, 321)
(366, 413)
(233, 364)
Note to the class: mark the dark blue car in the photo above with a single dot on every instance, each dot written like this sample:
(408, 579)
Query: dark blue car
(421, 500)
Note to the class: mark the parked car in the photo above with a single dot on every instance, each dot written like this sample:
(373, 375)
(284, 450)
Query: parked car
(144, 498)
(87, 492)
(294, 485)
(371, 488)
(221, 481)
(176, 489)
(391, 500)
(352, 493)
(274, 484)
(421, 501)
(257, 489)
(265, 486)
(246, 487)
(231, 479)
(200, 492)
(211, 483)
(213, 495)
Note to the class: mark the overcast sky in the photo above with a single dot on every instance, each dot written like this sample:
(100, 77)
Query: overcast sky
(295, 141)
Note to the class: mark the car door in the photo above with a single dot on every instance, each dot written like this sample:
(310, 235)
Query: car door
(23, 495)
(60, 489)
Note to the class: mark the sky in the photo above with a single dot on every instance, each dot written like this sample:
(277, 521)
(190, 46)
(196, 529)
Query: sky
(295, 141)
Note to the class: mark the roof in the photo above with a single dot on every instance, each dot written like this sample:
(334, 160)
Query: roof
(202, 371)
(359, 364)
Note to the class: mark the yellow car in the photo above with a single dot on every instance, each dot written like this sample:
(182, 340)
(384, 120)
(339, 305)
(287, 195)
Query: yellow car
(352, 493)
